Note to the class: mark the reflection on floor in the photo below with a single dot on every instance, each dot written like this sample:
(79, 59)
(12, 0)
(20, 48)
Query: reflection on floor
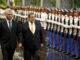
(0, 55)
(50, 54)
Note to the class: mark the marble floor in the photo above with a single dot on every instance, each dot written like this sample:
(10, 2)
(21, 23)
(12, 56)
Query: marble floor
(46, 54)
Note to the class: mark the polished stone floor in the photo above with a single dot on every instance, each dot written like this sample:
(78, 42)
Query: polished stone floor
(48, 54)
(52, 54)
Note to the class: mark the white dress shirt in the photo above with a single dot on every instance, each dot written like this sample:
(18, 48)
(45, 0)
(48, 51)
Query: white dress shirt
(8, 22)
(34, 28)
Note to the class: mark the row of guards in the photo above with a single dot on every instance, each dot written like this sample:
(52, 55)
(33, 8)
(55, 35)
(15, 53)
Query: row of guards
(61, 28)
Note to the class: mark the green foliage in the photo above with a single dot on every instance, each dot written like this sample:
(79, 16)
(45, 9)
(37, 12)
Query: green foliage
(38, 2)
(76, 3)
(3, 3)
(35, 2)
(53, 2)
(18, 2)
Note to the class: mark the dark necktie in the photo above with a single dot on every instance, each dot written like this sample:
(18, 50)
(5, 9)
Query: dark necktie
(10, 25)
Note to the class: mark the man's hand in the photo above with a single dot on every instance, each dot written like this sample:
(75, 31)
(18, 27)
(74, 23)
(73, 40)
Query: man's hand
(20, 45)
(42, 45)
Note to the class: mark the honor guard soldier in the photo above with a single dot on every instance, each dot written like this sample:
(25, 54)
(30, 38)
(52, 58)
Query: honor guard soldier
(77, 52)
(54, 35)
(39, 12)
(47, 27)
(50, 29)
(68, 37)
(58, 28)
(18, 14)
(2, 16)
(76, 46)
(66, 26)
(62, 30)
(43, 18)
(52, 23)
(22, 15)
(48, 32)
(15, 13)
(55, 26)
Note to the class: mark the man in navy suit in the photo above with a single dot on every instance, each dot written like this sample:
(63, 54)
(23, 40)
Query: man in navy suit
(9, 34)
(32, 38)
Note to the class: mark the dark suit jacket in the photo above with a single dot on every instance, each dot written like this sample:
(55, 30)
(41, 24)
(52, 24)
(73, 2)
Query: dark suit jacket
(9, 38)
(31, 41)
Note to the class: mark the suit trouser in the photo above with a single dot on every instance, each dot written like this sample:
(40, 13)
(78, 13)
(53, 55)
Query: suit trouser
(61, 41)
(8, 53)
(68, 44)
(47, 37)
(64, 42)
(50, 38)
(57, 41)
(77, 47)
(29, 56)
(53, 39)
(73, 44)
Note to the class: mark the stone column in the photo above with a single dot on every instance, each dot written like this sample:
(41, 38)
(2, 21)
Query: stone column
(64, 4)
(46, 3)
(27, 2)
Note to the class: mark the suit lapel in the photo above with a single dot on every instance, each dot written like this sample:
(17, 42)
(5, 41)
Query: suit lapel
(13, 24)
(29, 28)
(35, 27)
(6, 25)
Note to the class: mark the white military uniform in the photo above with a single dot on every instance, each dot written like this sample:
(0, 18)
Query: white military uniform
(43, 19)
(71, 19)
(2, 16)
(66, 26)
(79, 27)
(75, 24)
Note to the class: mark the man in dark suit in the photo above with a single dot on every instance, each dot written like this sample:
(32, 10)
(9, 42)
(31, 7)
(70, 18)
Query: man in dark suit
(9, 34)
(32, 38)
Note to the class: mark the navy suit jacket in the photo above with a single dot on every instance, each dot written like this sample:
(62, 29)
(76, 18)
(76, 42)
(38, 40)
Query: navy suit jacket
(7, 37)
(32, 42)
